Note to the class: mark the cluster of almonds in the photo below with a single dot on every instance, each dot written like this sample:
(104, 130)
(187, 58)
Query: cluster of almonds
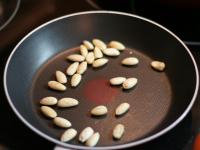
(90, 54)
(87, 135)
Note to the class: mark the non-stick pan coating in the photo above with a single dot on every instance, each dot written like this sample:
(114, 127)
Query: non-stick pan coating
(157, 102)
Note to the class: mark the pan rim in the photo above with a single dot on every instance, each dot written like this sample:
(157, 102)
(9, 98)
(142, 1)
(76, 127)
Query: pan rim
(131, 144)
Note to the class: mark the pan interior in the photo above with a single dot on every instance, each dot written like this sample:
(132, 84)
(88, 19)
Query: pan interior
(150, 100)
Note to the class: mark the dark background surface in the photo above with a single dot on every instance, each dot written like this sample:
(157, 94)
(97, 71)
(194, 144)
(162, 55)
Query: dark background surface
(178, 16)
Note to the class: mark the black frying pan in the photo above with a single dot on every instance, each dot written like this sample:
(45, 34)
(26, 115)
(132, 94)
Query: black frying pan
(158, 103)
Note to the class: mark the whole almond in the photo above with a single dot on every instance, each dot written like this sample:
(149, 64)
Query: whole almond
(88, 45)
(129, 83)
(122, 108)
(75, 80)
(158, 65)
(82, 67)
(111, 52)
(90, 58)
(117, 80)
(99, 62)
(86, 134)
(67, 102)
(71, 70)
(99, 110)
(56, 86)
(49, 101)
(61, 77)
(129, 61)
(48, 111)
(76, 57)
(116, 44)
(68, 135)
(99, 43)
(118, 131)
(93, 140)
(83, 50)
(97, 53)
(62, 122)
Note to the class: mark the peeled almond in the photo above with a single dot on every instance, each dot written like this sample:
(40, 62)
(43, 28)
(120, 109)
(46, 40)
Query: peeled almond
(117, 45)
(61, 77)
(62, 122)
(97, 53)
(118, 131)
(99, 62)
(83, 50)
(111, 52)
(93, 140)
(49, 101)
(122, 109)
(98, 43)
(117, 80)
(68, 135)
(56, 86)
(90, 58)
(88, 45)
(99, 110)
(129, 83)
(72, 68)
(67, 102)
(76, 57)
(82, 67)
(130, 61)
(158, 65)
(75, 80)
(48, 111)
(86, 134)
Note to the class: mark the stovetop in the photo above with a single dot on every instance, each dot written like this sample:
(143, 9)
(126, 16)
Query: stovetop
(15, 135)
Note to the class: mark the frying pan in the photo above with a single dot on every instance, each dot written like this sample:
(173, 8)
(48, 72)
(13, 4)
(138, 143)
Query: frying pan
(158, 103)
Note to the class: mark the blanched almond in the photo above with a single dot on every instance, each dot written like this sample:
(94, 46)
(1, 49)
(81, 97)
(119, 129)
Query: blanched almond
(68, 135)
(93, 140)
(67, 102)
(62, 122)
(122, 108)
(76, 57)
(158, 65)
(75, 80)
(83, 50)
(48, 111)
(82, 67)
(117, 45)
(72, 68)
(99, 110)
(97, 53)
(99, 62)
(86, 134)
(117, 80)
(129, 61)
(88, 45)
(90, 58)
(111, 52)
(61, 77)
(99, 43)
(56, 86)
(129, 83)
(118, 131)
(49, 101)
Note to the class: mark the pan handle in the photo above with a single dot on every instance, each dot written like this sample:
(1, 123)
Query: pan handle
(192, 43)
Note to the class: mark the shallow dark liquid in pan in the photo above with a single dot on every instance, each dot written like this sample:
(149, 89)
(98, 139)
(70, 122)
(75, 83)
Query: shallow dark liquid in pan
(150, 100)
